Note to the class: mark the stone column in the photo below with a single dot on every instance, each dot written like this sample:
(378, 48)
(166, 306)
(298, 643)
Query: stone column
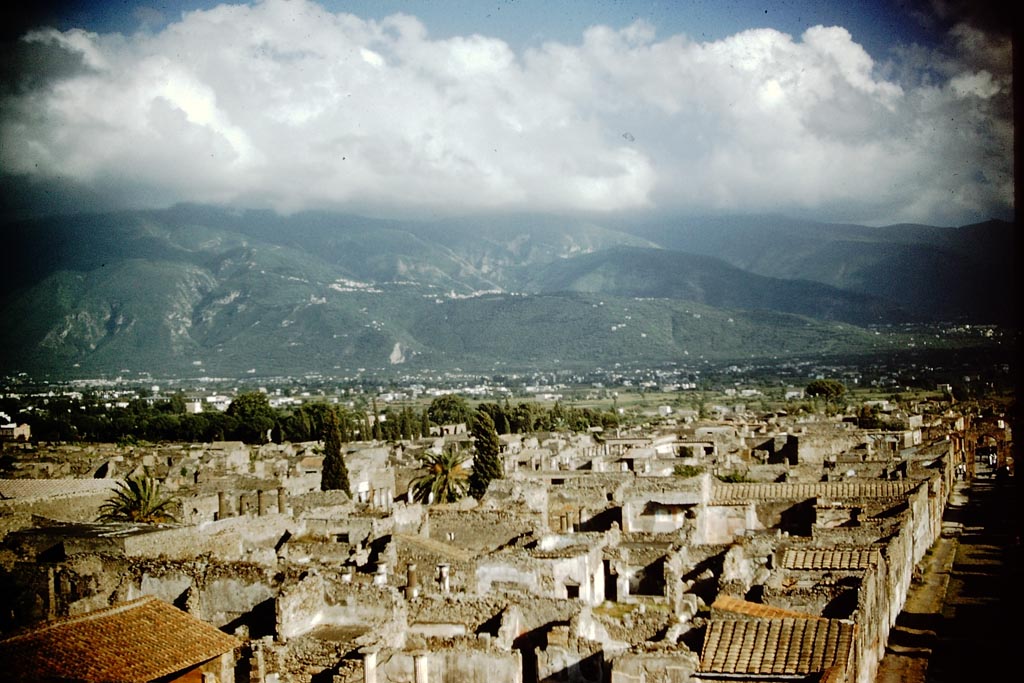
(412, 584)
(443, 577)
(421, 665)
(282, 501)
(222, 505)
(261, 502)
(369, 666)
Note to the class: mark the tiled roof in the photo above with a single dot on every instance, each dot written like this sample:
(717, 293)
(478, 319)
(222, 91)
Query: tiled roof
(134, 641)
(728, 603)
(25, 489)
(829, 558)
(760, 647)
(723, 493)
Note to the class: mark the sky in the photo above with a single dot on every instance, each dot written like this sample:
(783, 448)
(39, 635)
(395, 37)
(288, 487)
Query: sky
(865, 111)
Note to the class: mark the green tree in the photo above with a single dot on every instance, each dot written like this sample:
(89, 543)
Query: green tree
(524, 418)
(486, 461)
(828, 389)
(254, 415)
(448, 409)
(445, 478)
(138, 499)
(334, 475)
(831, 390)
(378, 431)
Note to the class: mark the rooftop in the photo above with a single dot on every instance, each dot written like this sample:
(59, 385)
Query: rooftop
(140, 640)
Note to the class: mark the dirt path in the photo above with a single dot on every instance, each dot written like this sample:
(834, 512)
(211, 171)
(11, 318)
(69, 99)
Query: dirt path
(913, 638)
(960, 621)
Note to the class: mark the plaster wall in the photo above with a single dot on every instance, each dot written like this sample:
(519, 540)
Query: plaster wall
(462, 664)
(251, 539)
(633, 667)
(499, 573)
(721, 524)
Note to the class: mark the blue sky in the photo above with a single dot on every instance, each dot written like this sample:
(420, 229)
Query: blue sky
(875, 24)
(872, 112)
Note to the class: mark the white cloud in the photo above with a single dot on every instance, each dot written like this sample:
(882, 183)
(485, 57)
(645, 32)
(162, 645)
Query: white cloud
(289, 105)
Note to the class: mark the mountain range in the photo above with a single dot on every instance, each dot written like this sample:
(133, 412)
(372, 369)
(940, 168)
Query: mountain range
(197, 290)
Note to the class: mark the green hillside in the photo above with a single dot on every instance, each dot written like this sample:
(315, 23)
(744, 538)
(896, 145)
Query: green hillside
(201, 290)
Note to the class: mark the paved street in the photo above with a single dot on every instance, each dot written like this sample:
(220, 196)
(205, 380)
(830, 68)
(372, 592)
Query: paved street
(961, 621)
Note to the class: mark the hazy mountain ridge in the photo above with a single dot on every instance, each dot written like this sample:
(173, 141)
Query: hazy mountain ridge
(203, 289)
(937, 272)
(661, 273)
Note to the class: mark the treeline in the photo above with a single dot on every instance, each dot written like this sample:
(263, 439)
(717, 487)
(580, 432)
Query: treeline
(251, 418)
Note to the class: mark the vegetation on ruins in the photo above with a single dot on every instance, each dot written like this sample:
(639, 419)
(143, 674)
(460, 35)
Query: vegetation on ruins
(870, 417)
(335, 471)
(687, 470)
(733, 477)
(138, 499)
(445, 479)
(486, 462)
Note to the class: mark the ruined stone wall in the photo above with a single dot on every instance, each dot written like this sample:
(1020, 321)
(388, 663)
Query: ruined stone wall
(300, 484)
(574, 508)
(872, 618)
(478, 613)
(718, 524)
(927, 504)
(307, 658)
(816, 445)
(510, 571)
(530, 493)
(463, 659)
(408, 518)
(556, 576)
(654, 667)
(461, 573)
(320, 600)
(225, 594)
(610, 482)
(64, 508)
(250, 539)
(479, 530)
(571, 659)
(304, 551)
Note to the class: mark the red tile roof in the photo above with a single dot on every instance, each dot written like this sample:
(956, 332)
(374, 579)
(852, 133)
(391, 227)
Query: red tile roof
(723, 493)
(133, 641)
(830, 558)
(760, 647)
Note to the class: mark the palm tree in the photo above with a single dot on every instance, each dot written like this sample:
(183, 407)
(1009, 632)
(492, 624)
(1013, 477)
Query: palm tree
(137, 499)
(445, 480)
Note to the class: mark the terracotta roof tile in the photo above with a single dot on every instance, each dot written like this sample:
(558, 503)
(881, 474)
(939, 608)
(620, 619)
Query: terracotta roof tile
(722, 493)
(775, 646)
(830, 558)
(134, 641)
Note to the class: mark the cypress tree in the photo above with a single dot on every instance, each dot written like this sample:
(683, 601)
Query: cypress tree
(335, 472)
(486, 463)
